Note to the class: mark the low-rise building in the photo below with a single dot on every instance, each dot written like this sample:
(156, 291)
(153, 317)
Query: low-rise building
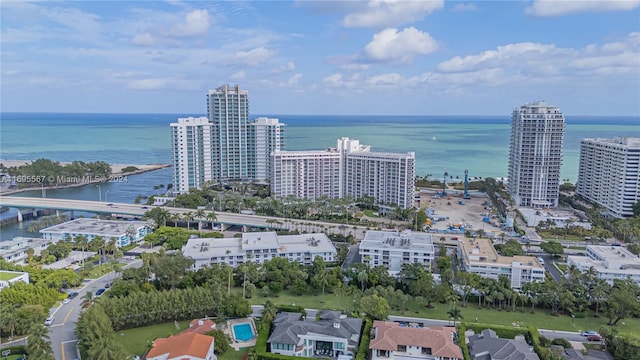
(393, 341)
(332, 335)
(259, 247)
(480, 257)
(185, 345)
(488, 346)
(122, 232)
(392, 249)
(11, 277)
(15, 250)
(609, 263)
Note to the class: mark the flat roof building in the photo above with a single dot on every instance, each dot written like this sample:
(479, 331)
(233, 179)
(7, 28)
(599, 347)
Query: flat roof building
(259, 247)
(609, 174)
(16, 250)
(609, 263)
(480, 257)
(11, 277)
(392, 249)
(535, 155)
(123, 232)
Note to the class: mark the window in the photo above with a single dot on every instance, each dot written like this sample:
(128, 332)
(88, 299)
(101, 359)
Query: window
(402, 348)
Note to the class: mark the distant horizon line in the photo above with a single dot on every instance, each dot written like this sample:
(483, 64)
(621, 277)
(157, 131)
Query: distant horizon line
(274, 114)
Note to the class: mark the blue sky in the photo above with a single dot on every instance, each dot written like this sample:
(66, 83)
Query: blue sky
(322, 57)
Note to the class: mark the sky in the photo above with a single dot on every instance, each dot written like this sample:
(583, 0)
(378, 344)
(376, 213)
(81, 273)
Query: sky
(378, 57)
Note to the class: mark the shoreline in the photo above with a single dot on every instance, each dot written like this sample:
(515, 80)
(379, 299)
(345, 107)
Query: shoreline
(115, 168)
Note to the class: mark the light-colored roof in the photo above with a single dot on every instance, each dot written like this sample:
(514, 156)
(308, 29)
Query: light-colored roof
(481, 251)
(105, 228)
(182, 344)
(201, 326)
(388, 335)
(397, 240)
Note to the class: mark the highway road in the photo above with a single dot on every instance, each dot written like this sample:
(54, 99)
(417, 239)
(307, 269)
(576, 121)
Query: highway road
(62, 332)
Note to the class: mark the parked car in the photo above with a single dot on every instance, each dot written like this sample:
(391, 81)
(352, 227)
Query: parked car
(49, 320)
(589, 332)
(594, 338)
(100, 291)
(66, 300)
(72, 295)
(108, 285)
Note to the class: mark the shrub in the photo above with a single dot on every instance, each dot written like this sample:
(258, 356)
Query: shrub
(562, 342)
(221, 341)
(129, 169)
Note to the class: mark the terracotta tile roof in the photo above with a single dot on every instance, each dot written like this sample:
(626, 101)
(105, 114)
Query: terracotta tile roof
(183, 344)
(206, 326)
(388, 335)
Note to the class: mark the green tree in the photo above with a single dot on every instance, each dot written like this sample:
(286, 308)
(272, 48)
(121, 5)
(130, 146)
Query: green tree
(454, 314)
(158, 215)
(622, 300)
(221, 341)
(375, 307)
(553, 248)
(38, 345)
(171, 269)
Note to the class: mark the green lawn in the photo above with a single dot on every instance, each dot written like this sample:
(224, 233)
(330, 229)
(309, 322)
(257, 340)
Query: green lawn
(100, 270)
(5, 275)
(540, 319)
(137, 341)
(232, 354)
(371, 213)
(562, 267)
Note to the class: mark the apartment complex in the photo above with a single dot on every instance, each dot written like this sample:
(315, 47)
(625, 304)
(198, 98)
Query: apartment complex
(266, 137)
(259, 247)
(609, 263)
(226, 145)
(349, 169)
(191, 143)
(535, 155)
(122, 232)
(16, 250)
(609, 174)
(480, 257)
(393, 249)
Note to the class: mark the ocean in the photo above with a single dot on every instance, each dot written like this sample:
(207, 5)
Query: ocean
(441, 143)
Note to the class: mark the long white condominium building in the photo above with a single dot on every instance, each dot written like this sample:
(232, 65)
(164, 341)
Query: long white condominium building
(191, 141)
(480, 257)
(259, 247)
(266, 137)
(609, 263)
(349, 169)
(228, 110)
(535, 157)
(609, 173)
(394, 249)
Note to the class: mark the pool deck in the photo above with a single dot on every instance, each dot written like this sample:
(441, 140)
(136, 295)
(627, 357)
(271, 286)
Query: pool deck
(236, 344)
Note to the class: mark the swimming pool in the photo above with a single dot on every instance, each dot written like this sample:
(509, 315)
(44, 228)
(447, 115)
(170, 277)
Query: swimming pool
(242, 332)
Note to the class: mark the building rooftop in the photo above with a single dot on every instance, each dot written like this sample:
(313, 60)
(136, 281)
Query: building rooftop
(613, 259)
(622, 141)
(105, 228)
(488, 346)
(183, 344)
(397, 240)
(480, 250)
(287, 326)
(388, 335)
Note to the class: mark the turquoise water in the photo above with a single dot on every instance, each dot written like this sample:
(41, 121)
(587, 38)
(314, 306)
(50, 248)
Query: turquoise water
(455, 143)
(242, 332)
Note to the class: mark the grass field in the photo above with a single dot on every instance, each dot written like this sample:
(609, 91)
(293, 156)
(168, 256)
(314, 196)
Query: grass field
(137, 341)
(5, 275)
(100, 270)
(540, 319)
(232, 354)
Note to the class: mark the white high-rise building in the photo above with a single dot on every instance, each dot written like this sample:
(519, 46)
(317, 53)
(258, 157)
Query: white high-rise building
(535, 158)
(228, 110)
(267, 137)
(349, 169)
(191, 141)
(609, 174)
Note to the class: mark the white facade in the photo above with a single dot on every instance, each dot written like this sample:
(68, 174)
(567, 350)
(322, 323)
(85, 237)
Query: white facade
(191, 149)
(609, 263)
(259, 247)
(609, 174)
(16, 250)
(13, 277)
(122, 232)
(480, 257)
(228, 112)
(305, 174)
(267, 137)
(349, 169)
(535, 155)
(394, 249)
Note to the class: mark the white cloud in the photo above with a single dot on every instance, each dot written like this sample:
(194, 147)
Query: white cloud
(401, 47)
(510, 54)
(196, 22)
(143, 40)
(253, 57)
(385, 13)
(337, 80)
(459, 7)
(289, 66)
(240, 75)
(294, 80)
(385, 80)
(564, 7)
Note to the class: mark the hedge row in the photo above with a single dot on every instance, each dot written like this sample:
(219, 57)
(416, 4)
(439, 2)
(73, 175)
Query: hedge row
(365, 338)
(462, 342)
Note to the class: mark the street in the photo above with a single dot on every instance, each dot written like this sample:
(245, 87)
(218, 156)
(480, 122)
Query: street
(62, 332)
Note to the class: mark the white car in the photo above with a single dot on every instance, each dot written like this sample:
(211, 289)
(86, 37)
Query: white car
(49, 320)
(66, 300)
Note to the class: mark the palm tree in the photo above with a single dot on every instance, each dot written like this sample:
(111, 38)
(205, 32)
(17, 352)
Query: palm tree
(38, 345)
(188, 216)
(81, 242)
(211, 216)
(269, 312)
(199, 215)
(455, 314)
(363, 277)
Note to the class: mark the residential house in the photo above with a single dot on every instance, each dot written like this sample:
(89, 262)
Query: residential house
(332, 335)
(187, 345)
(488, 346)
(395, 341)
